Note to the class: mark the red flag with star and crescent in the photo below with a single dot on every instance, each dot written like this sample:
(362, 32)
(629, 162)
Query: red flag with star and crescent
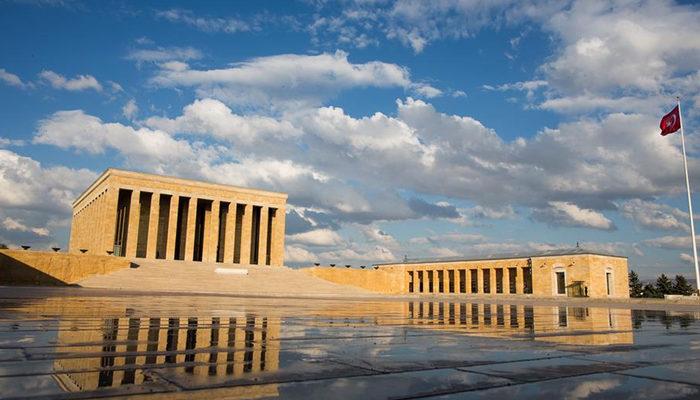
(671, 122)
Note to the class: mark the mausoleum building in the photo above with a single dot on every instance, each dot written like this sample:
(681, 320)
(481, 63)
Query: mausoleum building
(136, 215)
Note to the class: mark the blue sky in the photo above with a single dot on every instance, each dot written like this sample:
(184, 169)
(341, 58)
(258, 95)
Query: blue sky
(427, 129)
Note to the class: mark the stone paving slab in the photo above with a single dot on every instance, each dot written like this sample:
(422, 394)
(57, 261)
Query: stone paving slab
(603, 386)
(683, 372)
(540, 370)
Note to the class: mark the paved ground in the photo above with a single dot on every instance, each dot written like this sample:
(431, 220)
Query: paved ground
(76, 343)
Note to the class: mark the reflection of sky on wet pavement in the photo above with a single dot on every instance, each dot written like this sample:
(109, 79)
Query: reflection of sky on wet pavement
(210, 346)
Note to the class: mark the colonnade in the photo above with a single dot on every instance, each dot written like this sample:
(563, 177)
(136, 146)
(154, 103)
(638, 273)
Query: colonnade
(156, 225)
(475, 280)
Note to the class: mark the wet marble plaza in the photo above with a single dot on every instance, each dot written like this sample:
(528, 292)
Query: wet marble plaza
(81, 344)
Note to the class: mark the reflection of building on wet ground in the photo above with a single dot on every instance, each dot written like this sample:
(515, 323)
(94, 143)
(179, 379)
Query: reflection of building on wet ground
(556, 324)
(568, 325)
(117, 352)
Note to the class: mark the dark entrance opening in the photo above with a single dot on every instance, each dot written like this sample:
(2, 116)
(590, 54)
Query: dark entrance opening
(122, 226)
(255, 235)
(451, 277)
(487, 280)
(240, 212)
(512, 280)
(475, 280)
(527, 280)
(181, 231)
(463, 281)
(200, 228)
(144, 217)
(163, 225)
(499, 280)
(271, 215)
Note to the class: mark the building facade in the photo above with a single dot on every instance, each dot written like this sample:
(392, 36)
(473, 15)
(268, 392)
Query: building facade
(572, 273)
(137, 215)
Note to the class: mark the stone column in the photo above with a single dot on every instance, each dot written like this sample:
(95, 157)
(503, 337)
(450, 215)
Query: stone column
(458, 280)
(133, 230)
(277, 253)
(494, 281)
(191, 219)
(212, 242)
(152, 241)
(172, 228)
(467, 280)
(449, 281)
(519, 281)
(245, 234)
(109, 215)
(229, 235)
(262, 242)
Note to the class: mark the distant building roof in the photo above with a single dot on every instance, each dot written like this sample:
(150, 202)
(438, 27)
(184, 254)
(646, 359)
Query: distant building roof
(506, 256)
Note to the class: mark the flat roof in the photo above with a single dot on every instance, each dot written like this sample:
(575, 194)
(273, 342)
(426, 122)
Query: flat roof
(576, 251)
(174, 180)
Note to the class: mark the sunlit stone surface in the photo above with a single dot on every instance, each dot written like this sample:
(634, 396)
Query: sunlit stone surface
(57, 343)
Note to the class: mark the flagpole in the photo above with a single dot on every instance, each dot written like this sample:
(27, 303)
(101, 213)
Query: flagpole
(690, 202)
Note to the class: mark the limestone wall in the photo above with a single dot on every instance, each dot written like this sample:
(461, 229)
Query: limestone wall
(387, 281)
(19, 267)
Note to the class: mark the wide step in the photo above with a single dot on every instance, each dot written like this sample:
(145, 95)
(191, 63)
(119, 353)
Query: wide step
(178, 276)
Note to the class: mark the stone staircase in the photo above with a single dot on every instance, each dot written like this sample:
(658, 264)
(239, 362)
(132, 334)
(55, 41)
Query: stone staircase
(196, 277)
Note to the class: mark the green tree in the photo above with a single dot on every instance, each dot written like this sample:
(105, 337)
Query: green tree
(650, 291)
(681, 286)
(636, 288)
(664, 285)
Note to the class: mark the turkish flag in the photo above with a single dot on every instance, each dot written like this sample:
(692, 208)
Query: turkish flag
(671, 122)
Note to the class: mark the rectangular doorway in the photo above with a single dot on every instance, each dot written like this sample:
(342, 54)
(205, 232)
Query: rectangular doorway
(499, 280)
(474, 280)
(608, 282)
(561, 282)
(527, 280)
(512, 280)
(487, 280)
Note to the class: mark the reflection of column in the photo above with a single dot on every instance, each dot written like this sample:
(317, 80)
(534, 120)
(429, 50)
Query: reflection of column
(152, 241)
(230, 232)
(262, 234)
(245, 233)
(172, 227)
(133, 232)
(277, 252)
(212, 242)
(191, 220)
